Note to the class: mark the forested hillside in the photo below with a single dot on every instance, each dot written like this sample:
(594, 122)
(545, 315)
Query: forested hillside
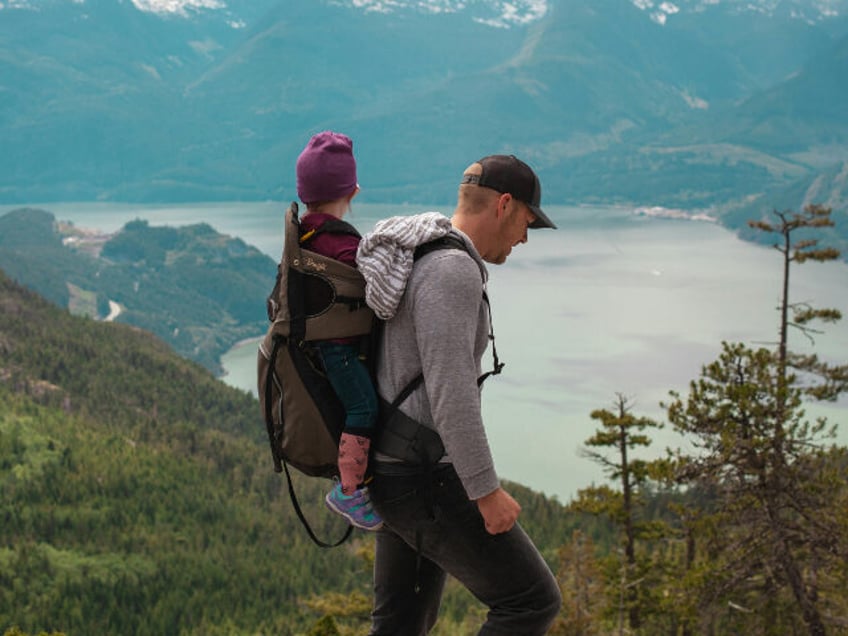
(137, 494)
(196, 289)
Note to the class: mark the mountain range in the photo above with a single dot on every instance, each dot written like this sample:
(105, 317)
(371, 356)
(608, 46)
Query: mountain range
(693, 104)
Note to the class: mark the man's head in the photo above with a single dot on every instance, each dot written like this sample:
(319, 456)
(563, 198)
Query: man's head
(499, 199)
(507, 174)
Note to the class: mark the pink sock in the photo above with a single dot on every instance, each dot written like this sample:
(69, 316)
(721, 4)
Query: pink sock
(353, 460)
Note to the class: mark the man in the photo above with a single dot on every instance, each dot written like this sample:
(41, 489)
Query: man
(439, 495)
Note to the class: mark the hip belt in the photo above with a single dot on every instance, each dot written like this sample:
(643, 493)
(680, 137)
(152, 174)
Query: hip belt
(405, 439)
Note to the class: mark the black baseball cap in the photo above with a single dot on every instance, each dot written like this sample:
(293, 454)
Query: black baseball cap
(507, 174)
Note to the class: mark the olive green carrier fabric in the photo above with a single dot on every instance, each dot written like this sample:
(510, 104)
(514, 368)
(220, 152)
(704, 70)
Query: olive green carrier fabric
(314, 298)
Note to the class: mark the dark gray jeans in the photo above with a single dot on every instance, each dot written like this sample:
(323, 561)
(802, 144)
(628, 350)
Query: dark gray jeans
(431, 528)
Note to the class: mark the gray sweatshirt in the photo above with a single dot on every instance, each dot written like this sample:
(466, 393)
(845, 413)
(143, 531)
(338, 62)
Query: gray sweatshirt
(439, 327)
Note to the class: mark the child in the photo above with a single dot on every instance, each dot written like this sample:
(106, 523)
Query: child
(326, 183)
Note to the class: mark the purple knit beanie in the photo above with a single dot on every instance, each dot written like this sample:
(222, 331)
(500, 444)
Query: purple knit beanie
(326, 169)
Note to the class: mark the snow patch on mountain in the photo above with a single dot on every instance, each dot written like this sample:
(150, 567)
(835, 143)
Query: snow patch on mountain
(496, 13)
(516, 13)
(176, 7)
(808, 10)
(16, 4)
(693, 101)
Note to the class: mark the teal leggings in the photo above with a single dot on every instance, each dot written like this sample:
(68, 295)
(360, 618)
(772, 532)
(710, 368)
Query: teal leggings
(352, 383)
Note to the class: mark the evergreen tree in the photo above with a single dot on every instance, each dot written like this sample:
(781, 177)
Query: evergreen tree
(581, 582)
(832, 379)
(771, 490)
(345, 614)
(622, 432)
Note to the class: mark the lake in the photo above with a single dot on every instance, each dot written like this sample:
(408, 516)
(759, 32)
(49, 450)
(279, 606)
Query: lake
(612, 302)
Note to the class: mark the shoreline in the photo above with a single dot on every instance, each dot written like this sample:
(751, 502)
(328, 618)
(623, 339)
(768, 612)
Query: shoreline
(231, 359)
(245, 341)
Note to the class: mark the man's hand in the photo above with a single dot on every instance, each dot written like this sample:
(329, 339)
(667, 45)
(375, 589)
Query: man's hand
(499, 511)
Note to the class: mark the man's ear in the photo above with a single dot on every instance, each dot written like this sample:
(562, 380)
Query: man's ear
(503, 204)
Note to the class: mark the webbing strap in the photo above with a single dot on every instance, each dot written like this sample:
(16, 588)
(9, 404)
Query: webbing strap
(352, 302)
(302, 517)
(497, 365)
(331, 226)
(280, 463)
(269, 406)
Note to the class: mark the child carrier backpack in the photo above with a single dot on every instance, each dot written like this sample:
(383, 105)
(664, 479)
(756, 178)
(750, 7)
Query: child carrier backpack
(315, 297)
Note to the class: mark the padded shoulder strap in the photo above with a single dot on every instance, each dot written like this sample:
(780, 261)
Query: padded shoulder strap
(446, 242)
(452, 242)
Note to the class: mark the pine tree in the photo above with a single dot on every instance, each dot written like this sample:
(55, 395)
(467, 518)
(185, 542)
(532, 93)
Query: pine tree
(770, 485)
(621, 432)
(581, 582)
(832, 380)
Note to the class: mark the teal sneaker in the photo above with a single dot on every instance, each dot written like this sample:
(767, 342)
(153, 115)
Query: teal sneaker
(356, 508)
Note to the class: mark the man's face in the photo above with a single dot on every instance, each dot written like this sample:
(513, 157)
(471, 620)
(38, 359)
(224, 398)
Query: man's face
(513, 229)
